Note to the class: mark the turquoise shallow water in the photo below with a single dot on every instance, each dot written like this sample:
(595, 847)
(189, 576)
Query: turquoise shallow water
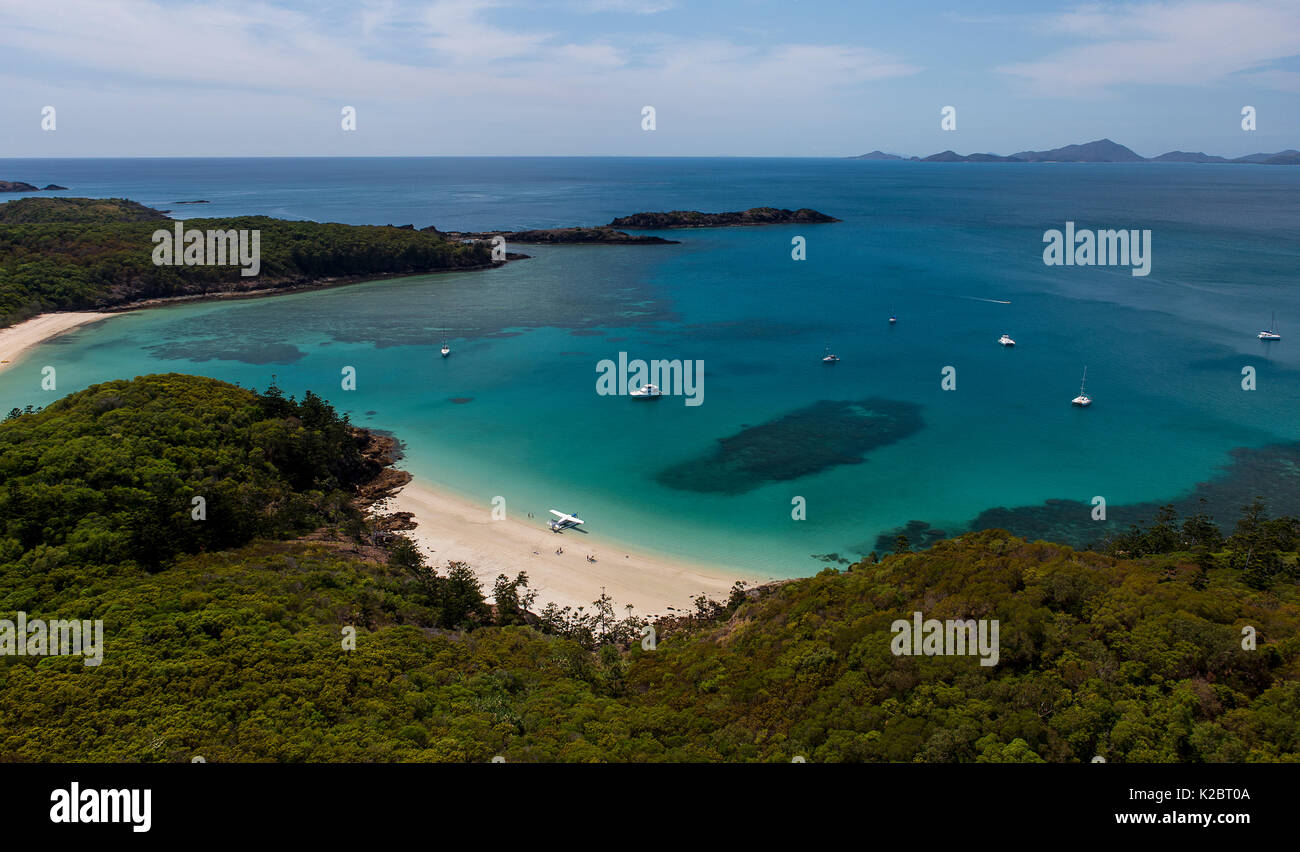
(514, 411)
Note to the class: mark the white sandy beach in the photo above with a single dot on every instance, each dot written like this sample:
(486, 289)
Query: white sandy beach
(17, 339)
(456, 529)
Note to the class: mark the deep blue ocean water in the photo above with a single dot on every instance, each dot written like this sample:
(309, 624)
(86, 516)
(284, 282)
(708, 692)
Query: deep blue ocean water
(514, 411)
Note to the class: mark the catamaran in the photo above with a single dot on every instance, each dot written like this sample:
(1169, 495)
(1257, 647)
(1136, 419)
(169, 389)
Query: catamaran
(563, 520)
(1006, 340)
(646, 392)
(1082, 400)
(828, 358)
(1271, 333)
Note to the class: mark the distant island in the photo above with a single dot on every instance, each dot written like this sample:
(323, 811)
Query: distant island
(1099, 151)
(20, 186)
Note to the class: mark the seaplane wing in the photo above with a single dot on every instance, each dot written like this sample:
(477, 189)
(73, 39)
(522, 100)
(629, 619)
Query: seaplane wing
(565, 518)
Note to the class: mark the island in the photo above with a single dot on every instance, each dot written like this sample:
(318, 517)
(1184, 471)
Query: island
(233, 626)
(21, 186)
(1098, 151)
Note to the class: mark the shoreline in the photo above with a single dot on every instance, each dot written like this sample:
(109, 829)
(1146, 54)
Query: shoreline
(456, 529)
(16, 341)
(305, 287)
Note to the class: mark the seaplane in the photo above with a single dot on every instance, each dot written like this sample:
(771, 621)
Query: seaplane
(563, 521)
(646, 392)
(1006, 340)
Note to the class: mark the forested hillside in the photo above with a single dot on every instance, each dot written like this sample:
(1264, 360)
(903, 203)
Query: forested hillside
(84, 253)
(229, 641)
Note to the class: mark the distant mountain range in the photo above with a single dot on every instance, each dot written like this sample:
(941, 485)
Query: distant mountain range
(1101, 151)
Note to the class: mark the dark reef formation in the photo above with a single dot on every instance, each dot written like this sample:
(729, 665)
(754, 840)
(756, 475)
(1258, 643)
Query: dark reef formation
(817, 437)
(1272, 472)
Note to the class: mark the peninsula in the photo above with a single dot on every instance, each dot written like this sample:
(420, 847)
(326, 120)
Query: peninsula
(95, 254)
(559, 236)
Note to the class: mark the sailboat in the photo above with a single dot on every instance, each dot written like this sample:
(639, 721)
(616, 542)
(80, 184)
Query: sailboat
(893, 317)
(1082, 400)
(446, 350)
(1271, 333)
(828, 358)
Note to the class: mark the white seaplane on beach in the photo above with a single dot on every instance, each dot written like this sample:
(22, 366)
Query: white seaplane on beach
(563, 521)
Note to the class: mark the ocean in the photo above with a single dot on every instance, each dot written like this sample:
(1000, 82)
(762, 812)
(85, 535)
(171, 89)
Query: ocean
(860, 448)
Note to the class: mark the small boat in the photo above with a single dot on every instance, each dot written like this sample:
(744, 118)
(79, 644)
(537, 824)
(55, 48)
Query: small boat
(828, 358)
(1082, 400)
(893, 318)
(1271, 333)
(646, 392)
(1006, 340)
(446, 350)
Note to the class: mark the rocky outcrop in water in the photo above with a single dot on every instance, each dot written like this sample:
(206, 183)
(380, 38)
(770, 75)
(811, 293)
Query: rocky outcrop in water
(695, 219)
(560, 236)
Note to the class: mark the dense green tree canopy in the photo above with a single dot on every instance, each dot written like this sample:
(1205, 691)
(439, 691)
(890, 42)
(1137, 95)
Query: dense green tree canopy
(81, 253)
(229, 637)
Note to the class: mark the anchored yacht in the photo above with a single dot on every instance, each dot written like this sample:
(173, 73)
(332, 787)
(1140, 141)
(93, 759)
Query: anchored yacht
(1082, 400)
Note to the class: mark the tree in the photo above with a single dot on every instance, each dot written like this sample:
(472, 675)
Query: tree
(513, 598)
(1200, 530)
(462, 600)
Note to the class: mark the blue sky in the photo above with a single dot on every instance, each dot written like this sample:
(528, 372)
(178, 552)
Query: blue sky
(570, 77)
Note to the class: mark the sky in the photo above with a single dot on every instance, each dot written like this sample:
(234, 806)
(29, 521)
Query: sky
(571, 77)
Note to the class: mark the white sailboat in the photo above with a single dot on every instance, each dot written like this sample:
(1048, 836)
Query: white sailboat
(446, 350)
(1006, 340)
(828, 358)
(1082, 400)
(1271, 333)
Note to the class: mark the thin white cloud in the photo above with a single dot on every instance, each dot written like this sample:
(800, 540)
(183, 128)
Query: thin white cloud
(1190, 43)
(261, 47)
(429, 73)
(634, 7)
